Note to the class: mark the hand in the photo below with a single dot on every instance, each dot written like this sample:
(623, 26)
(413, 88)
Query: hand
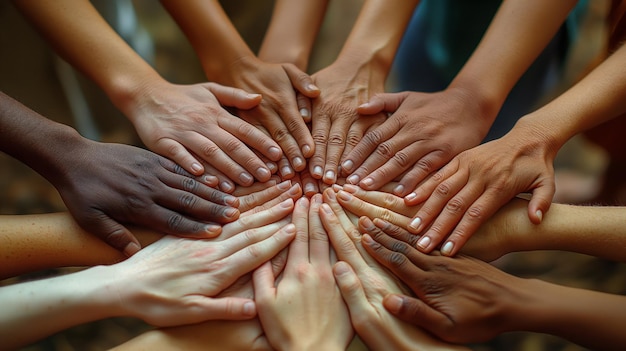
(304, 309)
(186, 123)
(423, 133)
(172, 281)
(278, 113)
(111, 184)
(460, 299)
(363, 283)
(475, 184)
(343, 87)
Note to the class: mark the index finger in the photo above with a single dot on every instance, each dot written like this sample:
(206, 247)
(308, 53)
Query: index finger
(299, 247)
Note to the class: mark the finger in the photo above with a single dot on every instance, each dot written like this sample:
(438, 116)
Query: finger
(387, 170)
(371, 148)
(262, 195)
(223, 182)
(176, 152)
(394, 231)
(263, 282)
(450, 214)
(301, 81)
(172, 222)
(541, 200)
(233, 97)
(353, 294)
(382, 199)
(334, 149)
(436, 192)
(259, 219)
(113, 233)
(389, 102)
(309, 184)
(319, 245)
(355, 134)
(416, 312)
(304, 106)
(319, 132)
(201, 309)
(330, 198)
(299, 248)
(252, 256)
(193, 187)
(294, 193)
(362, 208)
(344, 246)
(425, 166)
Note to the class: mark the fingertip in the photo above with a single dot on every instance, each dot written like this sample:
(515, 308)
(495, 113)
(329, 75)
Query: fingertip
(249, 309)
(131, 249)
(196, 169)
(393, 303)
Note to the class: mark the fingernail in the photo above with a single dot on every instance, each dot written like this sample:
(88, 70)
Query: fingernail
(209, 179)
(312, 86)
(287, 203)
(331, 195)
(225, 186)
(410, 197)
(196, 167)
(539, 215)
(327, 209)
(368, 224)
(309, 188)
(353, 179)
(447, 248)
(275, 153)
(317, 171)
(212, 228)
(415, 223)
(290, 228)
(245, 178)
(294, 190)
(382, 224)
(341, 268)
(344, 195)
(231, 212)
(262, 173)
(284, 185)
(231, 200)
(393, 303)
(364, 105)
(304, 112)
(368, 240)
(272, 167)
(368, 182)
(424, 242)
(253, 96)
(131, 249)
(306, 150)
(399, 189)
(297, 162)
(249, 309)
(303, 202)
(337, 187)
(317, 199)
(330, 176)
(286, 171)
(347, 165)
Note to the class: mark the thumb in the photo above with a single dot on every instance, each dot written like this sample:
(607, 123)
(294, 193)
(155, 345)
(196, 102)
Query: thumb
(416, 312)
(225, 308)
(540, 201)
(351, 289)
(388, 102)
(233, 97)
(113, 233)
(301, 81)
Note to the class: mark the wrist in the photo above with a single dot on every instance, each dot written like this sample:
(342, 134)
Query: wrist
(489, 103)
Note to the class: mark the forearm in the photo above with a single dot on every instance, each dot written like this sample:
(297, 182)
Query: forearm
(292, 31)
(81, 36)
(34, 310)
(597, 98)
(592, 319)
(516, 36)
(212, 35)
(376, 35)
(34, 242)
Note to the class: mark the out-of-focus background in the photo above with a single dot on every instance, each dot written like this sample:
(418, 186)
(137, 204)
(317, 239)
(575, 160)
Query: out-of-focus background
(34, 75)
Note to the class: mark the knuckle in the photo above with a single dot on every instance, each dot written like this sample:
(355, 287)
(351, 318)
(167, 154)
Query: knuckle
(385, 150)
(373, 138)
(280, 134)
(190, 185)
(397, 259)
(188, 201)
(209, 150)
(336, 139)
(175, 222)
(443, 189)
(455, 206)
(402, 159)
(476, 213)
(319, 138)
(254, 252)
(353, 138)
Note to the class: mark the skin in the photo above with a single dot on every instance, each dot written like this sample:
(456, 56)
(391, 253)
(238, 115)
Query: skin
(108, 186)
(195, 272)
(461, 196)
(209, 30)
(358, 73)
(185, 123)
(426, 130)
(463, 299)
(303, 310)
(363, 284)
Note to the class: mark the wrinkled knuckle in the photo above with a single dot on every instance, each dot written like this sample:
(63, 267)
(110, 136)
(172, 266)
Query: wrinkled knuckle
(280, 134)
(336, 139)
(319, 138)
(254, 252)
(385, 150)
(455, 206)
(232, 146)
(438, 177)
(353, 138)
(188, 201)
(397, 259)
(209, 150)
(293, 124)
(400, 247)
(476, 213)
(373, 138)
(190, 184)
(443, 189)
(175, 222)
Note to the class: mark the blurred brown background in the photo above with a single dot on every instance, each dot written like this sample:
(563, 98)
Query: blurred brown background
(32, 74)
